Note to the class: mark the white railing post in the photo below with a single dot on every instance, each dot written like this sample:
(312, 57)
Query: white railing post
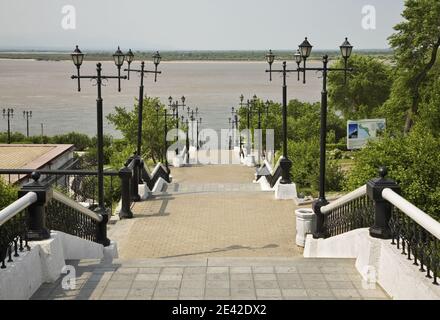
(382, 208)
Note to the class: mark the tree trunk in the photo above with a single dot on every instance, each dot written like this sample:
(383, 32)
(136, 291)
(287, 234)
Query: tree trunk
(412, 112)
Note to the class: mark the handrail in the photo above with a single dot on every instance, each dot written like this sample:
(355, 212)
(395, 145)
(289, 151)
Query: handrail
(423, 219)
(17, 206)
(59, 172)
(359, 192)
(73, 204)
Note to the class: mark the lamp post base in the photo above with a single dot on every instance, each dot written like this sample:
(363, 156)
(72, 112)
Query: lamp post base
(285, 191)
(318, 230)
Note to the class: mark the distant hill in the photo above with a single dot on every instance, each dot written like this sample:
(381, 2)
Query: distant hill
(257, 55)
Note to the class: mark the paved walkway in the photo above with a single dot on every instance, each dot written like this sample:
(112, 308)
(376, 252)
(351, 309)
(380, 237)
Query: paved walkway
(215, 278)
(211, 210)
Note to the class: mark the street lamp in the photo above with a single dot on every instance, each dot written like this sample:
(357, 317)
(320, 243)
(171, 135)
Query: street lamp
(27, 115)
(346, 50)
(165, 114)
(77, 58)
(298, 59)
(156, 60)
(187, 137)
(142, 73)
(305, 49)
(285, 163)
(8, 113)
(119, 58)
(130, 57)
(175, 107)
(199, 122)
(270, 57)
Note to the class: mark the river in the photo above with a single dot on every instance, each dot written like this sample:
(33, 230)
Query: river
(45, 88)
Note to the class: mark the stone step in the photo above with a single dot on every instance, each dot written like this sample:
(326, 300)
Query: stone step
(176, 188)
(215, 278)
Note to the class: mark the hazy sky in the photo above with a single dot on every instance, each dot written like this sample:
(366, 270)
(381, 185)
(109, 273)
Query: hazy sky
(195, 24)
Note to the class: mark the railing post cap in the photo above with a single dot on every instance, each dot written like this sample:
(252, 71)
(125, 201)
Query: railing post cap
(43, 190)
(376, 185)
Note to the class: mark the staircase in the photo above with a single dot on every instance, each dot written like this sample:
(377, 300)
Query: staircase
(214, 278)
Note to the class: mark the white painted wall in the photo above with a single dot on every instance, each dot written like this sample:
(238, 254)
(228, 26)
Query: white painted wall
(378, 261)
(44, 262)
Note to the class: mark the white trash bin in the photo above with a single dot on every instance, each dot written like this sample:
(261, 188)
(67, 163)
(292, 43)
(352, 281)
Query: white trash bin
(304, 223)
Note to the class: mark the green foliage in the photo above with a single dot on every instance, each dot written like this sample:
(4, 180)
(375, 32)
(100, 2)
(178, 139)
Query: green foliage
(415, 43)
(305, 168)
(367, 87)
(8, 193)
(153, 144)
(412, 160)
(80, 140)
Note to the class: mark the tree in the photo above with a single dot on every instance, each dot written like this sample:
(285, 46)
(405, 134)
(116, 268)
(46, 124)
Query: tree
(367, 87)
(152, 127)
(416, 44)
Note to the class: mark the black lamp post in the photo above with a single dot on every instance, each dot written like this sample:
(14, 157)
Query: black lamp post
(119, 58)
(175, 107)
(305, 49)
(165, 115)
(130, 57)
(9, 114)
(142, 73)
(187, 137)
(27, 115)
(234, 124)
(285, 163)
(199, 122)
(77, 58)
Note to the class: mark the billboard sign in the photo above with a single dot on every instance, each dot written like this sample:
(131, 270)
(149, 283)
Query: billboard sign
(360, 131)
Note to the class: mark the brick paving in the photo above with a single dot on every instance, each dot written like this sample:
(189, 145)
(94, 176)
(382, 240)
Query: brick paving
(209, 211)
(214, 278)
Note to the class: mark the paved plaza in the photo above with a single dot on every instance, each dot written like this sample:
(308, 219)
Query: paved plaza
(209, 211)
(215, 278)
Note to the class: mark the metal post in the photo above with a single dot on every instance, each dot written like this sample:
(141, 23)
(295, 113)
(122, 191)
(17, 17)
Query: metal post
(102, 232)
(165, 141)
(382, 208)
(27, 124)
(100, 134)
(259, 134)
(187, 141)
(36, 222)
(140, 111)
(285, 163)
(126, 175)
(9, 128)
(135, 179)
(323, 135)
(319, 231)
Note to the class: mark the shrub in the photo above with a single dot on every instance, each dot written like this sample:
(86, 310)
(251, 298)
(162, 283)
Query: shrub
(8, 194)
(412, 160)
(305, 166)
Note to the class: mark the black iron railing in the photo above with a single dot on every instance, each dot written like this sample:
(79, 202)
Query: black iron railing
(14, 229)
(354, 214)
(418, 244)
(379, 206)
(271, 177)
(72, 218)
(13, 239)
(80, 185)
(159, 171)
